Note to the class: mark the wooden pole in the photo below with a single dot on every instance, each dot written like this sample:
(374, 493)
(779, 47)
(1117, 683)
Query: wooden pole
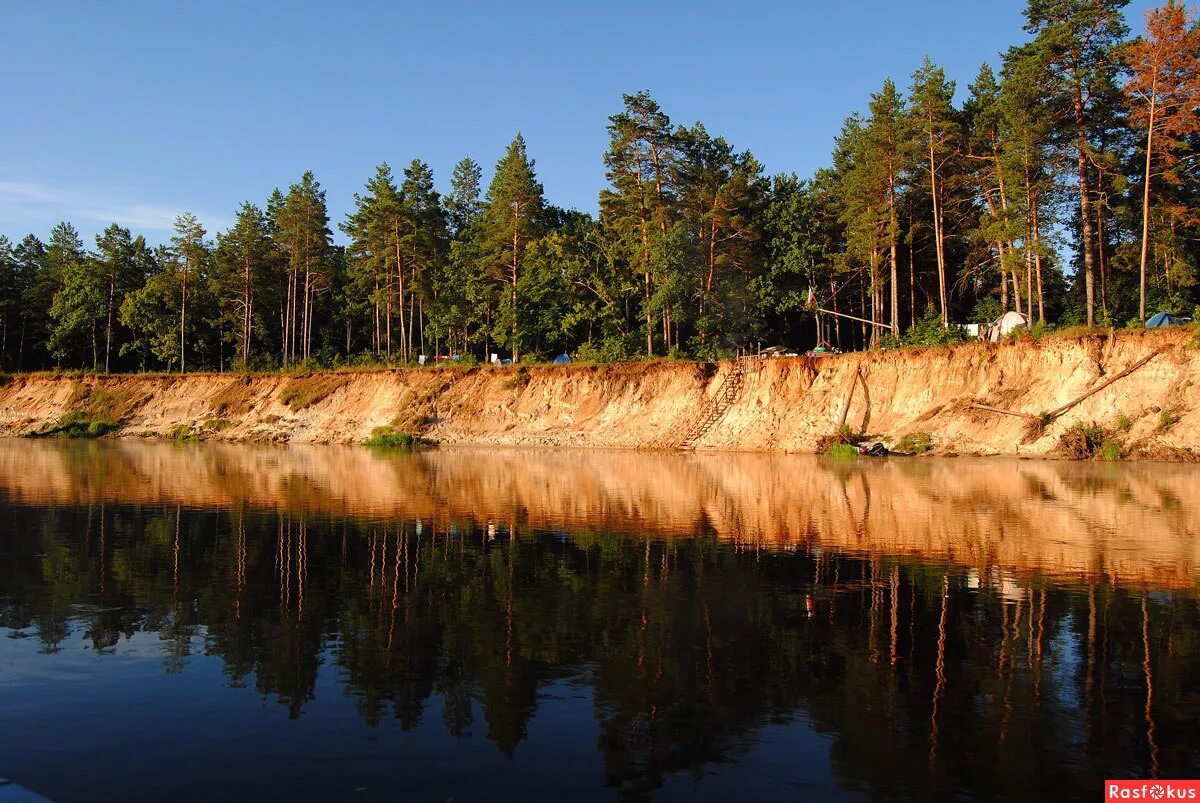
(854, 318)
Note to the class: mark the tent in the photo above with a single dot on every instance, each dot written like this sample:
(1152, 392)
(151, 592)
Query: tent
(1003, 326)
(562, 359)
(1166, 319)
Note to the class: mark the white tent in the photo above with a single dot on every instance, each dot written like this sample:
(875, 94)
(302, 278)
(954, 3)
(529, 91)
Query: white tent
(1005, 325)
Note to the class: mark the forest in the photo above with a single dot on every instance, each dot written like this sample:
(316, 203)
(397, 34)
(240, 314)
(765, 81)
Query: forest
(1062, 183)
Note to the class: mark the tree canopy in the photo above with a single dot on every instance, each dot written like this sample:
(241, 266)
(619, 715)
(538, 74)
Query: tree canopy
(1061, 183)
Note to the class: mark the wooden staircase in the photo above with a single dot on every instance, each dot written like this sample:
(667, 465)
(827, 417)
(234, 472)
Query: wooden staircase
(727, 394)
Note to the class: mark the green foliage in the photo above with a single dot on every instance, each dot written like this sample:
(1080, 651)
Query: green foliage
(79, 425)
(233, 400)
(1168, 418)
(986, 310)
(105, 404)
(927, 213)
(305, 391)
(611, 349)
(182, 433)
(243, 263)
(842, 451)
(389, 438)
(513, 219)
(1123, 422)
(929, 331)
(889, 341)
(1090, 442)
(915, 443)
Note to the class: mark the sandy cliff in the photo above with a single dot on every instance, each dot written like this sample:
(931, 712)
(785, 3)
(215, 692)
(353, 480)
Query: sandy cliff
(783, 404)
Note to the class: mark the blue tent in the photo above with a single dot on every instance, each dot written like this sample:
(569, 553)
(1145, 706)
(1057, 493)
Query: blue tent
(562, 359)
(1166, 319)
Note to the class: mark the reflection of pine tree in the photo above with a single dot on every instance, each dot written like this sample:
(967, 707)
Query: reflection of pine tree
(690, 647)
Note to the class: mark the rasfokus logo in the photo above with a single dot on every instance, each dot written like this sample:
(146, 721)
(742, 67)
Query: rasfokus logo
(1152, 790)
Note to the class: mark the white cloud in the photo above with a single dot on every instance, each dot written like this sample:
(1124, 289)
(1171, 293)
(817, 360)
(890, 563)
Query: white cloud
(31, 201)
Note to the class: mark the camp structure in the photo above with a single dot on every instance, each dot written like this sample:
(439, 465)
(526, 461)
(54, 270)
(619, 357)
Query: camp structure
(1166, 319)
(1005, 325)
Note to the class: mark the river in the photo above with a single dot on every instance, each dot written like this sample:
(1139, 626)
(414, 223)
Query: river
(198, 622)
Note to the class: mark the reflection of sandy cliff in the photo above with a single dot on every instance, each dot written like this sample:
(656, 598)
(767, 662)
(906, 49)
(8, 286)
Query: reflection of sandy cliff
(1133, 524)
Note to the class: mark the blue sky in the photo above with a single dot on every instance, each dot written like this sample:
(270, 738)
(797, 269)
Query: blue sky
(135, 111)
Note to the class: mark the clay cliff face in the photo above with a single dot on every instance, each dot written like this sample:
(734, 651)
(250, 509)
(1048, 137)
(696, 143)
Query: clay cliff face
(784, 404)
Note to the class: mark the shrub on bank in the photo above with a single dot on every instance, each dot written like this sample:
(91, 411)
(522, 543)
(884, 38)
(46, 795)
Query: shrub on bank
(79, 425)
(388, 438)
(915, 443)
(1090, 442)
(182, 433)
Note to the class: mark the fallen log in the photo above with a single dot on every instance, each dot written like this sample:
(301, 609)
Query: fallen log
(1055, 413)
(1046, 418)
(990, 409)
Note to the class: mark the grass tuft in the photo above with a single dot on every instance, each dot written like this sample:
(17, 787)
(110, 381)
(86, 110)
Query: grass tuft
(1090, 442)
(305, 391)
(388, 438)
(182, 433)
(1168, 418)
(234, 400)
(915, 443)
(842, 451)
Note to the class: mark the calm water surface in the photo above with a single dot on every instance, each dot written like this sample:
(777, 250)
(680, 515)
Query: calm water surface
(242, 623)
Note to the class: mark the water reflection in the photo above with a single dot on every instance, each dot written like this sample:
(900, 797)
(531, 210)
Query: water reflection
(938, 629)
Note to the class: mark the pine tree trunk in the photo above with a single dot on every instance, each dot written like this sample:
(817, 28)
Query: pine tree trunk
(1016, 282)
(1102, 260)
(400, 277)
(912, 276)
(937, 227)
(1085, 206)
(516, 242)
(895, 265)
(1146, 210)
(112, 292)
(1034, 236)
(183, 319)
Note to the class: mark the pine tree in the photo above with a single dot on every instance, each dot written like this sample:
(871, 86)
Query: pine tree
(425, 243)
(722, 197)
(375, 230)
(35, 289)
(242, 264)
(800, 239)
(512, 220)
(10, 301)
(639, 161)
(463, 206)
(463, 288)
(889, 146)
(188, 259)
(301, 222)
(862, 192)
(1026, 132)
(76, 303)
(1163, 93)
(152, 312)
(934, 118)
(1077, 40)
(120, 258)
